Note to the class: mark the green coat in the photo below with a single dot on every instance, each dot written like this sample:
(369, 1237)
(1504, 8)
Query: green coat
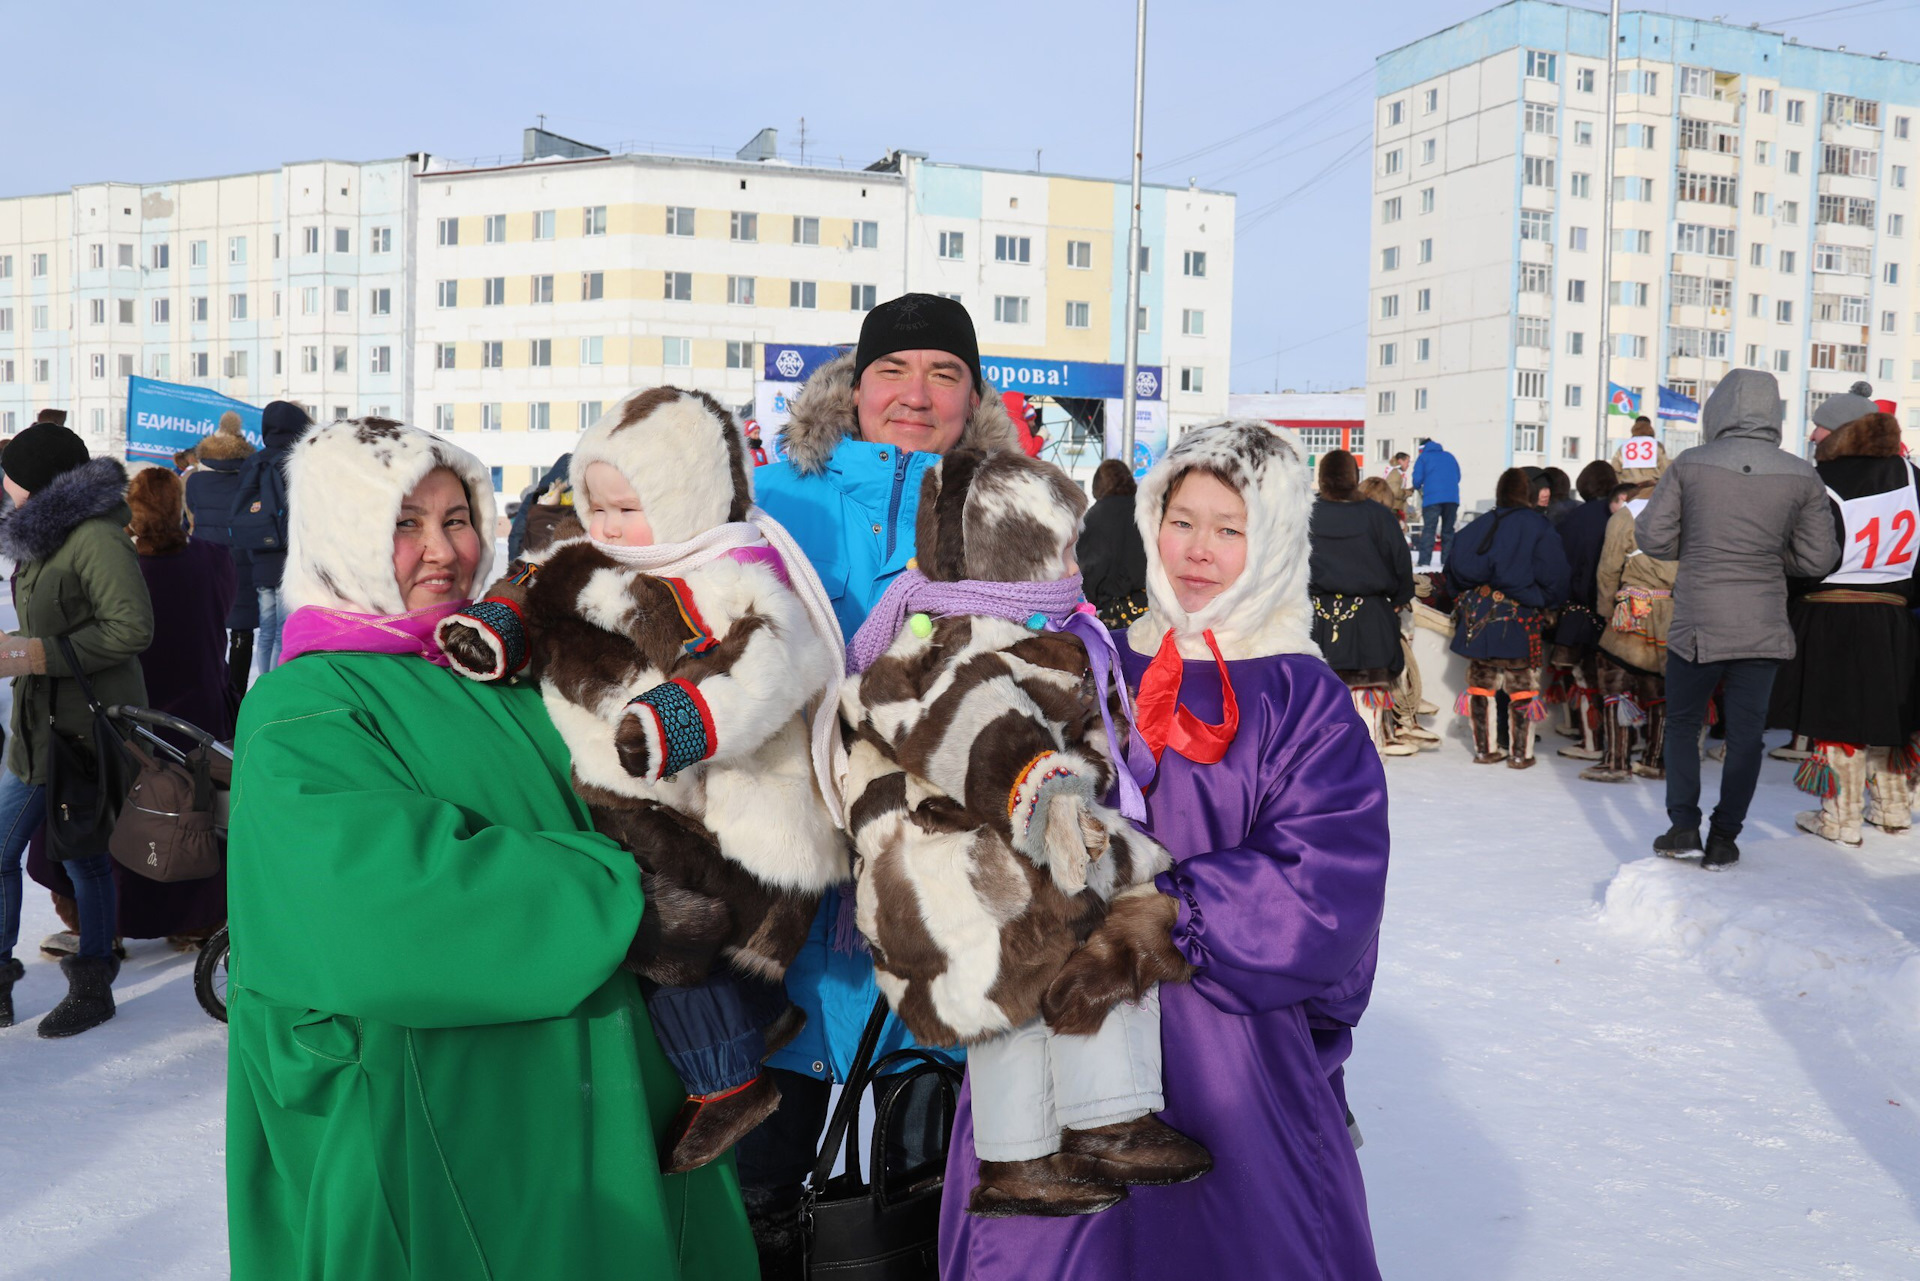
(91, 591)
(437, 1068)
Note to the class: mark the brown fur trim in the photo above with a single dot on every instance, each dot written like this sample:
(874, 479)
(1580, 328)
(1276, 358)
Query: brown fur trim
(824, 414)
(1870, 436)
(222, 444)
(1129, 952)
(1513, 489)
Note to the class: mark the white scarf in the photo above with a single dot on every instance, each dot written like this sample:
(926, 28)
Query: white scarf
(673, 560)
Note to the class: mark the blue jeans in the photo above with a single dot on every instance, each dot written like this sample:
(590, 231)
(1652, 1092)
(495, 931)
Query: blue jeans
(273, 616)
(1437, 516)
(1749, 684)
(23, 806)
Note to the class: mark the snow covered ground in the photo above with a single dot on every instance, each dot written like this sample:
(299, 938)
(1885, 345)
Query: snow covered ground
(1581, 1062)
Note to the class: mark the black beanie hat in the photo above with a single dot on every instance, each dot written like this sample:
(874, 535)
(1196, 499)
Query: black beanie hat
(283, 420)
(41, 452)
(919, 322)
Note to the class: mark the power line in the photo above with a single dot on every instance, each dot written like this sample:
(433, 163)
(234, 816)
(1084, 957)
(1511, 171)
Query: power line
(1214, 180)
(1249, 132)
(1332, 333)
(1352, 153)
(1821, 13)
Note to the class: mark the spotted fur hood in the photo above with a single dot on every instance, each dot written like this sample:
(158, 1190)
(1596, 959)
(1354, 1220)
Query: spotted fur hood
(345, 484)
(681, 452)
(823, 415)
(1267, 610)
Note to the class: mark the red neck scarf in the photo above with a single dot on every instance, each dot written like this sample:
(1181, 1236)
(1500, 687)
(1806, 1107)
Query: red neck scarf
(1163, 723)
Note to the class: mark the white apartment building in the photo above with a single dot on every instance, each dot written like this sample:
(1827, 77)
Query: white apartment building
(286, 283)
(1762, 215)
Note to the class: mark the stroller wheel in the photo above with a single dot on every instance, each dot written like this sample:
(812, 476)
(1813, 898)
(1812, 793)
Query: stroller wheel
(210, 975)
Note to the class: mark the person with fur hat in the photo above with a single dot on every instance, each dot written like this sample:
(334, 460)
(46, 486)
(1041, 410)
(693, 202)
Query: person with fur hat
(1649, 461)
(439, 1065)
(679, 640)
(1632, 663)
(1576, 633)
(1361, 577)
(76, 580)
(211, 489)
(981, 756)
(1271, 799)
(1850, 685)
(259, 521)
(865, 430)
(1508, 573)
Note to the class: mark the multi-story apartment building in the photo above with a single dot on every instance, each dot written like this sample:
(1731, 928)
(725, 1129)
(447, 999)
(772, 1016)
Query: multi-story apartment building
(1761, 218)
(509, 304)
(289, 282)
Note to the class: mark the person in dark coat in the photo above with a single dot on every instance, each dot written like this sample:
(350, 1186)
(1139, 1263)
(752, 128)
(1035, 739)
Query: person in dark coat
(1507, 572)
(1360, 575)
(542, 504)
(1113, 560)
(211, 490)
(1576, 636)
(191, 583)
(257, 522)
(1850, 685)
(1559, 497)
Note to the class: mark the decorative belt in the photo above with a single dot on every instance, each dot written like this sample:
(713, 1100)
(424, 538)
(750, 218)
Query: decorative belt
(1343, 609)
(1632, 610)
(1851, 596)
(1483, 606)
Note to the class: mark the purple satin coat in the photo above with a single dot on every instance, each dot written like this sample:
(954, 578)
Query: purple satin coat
(1280, 867)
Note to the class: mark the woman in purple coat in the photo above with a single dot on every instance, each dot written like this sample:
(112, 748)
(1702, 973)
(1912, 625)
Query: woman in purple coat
(1271, 798)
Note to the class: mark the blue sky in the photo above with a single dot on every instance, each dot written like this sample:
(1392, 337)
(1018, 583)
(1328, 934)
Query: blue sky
(1269, 100)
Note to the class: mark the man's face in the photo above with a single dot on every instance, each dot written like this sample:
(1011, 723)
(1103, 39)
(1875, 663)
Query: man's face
(916, 400)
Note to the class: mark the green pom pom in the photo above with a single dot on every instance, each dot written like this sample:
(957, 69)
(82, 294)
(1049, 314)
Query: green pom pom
(920, 625)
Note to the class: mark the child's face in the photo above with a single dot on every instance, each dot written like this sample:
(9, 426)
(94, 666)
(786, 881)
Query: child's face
(613, 509)
(1203, 539)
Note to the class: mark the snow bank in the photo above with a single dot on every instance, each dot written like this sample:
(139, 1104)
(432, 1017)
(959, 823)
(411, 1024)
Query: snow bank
(1796, 918)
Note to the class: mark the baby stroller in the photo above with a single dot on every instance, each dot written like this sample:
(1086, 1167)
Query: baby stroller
(159, 736)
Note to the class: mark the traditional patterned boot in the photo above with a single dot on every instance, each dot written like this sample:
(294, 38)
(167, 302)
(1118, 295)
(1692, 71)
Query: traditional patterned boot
(1889, 795)
(1653, 761)
(1374, 706)
(1587, 706)
(1481, 710)
(1617, 739)
(1843, 796)
(1521, 711)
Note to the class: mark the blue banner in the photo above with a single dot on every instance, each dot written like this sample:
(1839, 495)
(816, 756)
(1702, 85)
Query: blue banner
(1078, 378)
(795, 362)
(165, 418)
(1674, 405)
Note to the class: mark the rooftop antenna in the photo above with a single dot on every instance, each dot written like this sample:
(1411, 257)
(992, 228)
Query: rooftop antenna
(542, 118)
(1036, 160)
(803, 140)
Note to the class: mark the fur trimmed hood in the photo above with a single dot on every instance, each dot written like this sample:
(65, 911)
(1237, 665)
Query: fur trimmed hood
(36, 529)
(1267, 611)
(681, 452)
(345, 484)
(1874, 435)
(222, 444)
(1001, 517)
(823, 414)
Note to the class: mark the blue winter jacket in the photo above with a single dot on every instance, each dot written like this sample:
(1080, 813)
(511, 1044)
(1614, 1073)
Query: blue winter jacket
(851, 505)
(1436, 474)
(1517, 553)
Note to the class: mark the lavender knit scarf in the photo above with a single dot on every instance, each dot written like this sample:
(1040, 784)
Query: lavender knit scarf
(912, 592)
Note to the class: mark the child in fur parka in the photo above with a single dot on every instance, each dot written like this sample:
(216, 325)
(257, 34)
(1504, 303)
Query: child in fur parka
(983, 852)
(678, 641)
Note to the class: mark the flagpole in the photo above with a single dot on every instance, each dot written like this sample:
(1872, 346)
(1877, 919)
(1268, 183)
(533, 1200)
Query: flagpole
(1606, 234)
(1132, 320)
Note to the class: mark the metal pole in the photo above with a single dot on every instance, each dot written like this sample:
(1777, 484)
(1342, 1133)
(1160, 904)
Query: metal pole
(1132, 319)
(1605, 398)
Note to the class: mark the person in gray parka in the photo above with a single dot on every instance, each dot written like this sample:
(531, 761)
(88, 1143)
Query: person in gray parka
(1740, 514)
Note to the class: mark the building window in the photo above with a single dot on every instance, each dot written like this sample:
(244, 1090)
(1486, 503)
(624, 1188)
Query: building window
(492, 354)
(1078, 315)
(1536, 278)
(739, 355)
(1640, 189)
(380, 302)
(1012, 249)
(806, 231)
(1583, 133)
(493, 291)
(1629, 293)
(862, 297)
(1430, 102)
(448, 293)
(340, 360)
(42, 371)
(1580, 185)
(309, 360)
(343, 302)
(1080, 254)
(490, 417)
(1395, 111)
(1530, 331)
(539, 415)
(97, 365)
(1787, 260)
(1627, 240)
(40, 317)
(593, 220)
(444, 355)
(1192, 378)
(1422, 350)
(593, 352)
(1426, 200)
(236, 308)
(1576, 291)
(1530, 384)
(1900, 126)
(1764, 102)
(677, 286)
(162, 254)
(866, 235)
(1709, 188)
(1390, 163)
(1630, 346)
(380, 240)
(1390, 258)
(1694, 238)
(740, 291)
(1642, 136)
(196, 309)
(1526, 438)
(37, 265)
(1539, 117)
(953, 246)
(590, 412)
(1193, 263)
(96, 256)
(802, 294)
(1389, 308)
(1423, 300)
(382, 362)
(1782, 362)
(1889, 322)
(1573, 395)
(1540, 65)
(1140, 319)
(679, 220)
(743, 226)
(198, 365)
(1390, 210)
(236, 251)
(1536, 225)
(1382, 404)
(1389, 354)
(1009, 310)
(162, 311)
(593, 285)
(1793, 162)
(1429, 151)
(676, 352)
(540, 289)
(540, 353)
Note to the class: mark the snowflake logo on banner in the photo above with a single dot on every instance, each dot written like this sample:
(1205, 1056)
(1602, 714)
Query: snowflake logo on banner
(789, 363)
(1144, 383)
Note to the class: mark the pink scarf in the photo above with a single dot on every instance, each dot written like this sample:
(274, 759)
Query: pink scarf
(315, 629)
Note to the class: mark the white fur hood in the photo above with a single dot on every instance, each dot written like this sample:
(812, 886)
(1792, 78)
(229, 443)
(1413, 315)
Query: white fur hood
(345, 484)
(1267, 610)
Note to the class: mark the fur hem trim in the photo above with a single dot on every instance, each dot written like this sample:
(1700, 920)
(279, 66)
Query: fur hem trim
(823, 415)
(38, 527)
(1869, 436)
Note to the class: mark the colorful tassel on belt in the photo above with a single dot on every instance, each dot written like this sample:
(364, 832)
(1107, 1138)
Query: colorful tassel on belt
(1536, 706)
(1815, 775)
(1463, 705)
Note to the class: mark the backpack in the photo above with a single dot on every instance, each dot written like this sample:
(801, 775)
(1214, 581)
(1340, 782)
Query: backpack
(258, 522)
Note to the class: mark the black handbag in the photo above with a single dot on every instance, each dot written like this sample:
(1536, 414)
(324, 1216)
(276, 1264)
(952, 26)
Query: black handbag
(86, 785)
(886, 1228)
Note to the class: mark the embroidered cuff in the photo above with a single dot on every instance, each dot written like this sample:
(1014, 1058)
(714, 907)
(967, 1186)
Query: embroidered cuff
(679, 723)
(1046, 776)
(502, 629)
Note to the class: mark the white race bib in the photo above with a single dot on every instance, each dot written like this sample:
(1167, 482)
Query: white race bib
(1883, 536)
(1640, 451)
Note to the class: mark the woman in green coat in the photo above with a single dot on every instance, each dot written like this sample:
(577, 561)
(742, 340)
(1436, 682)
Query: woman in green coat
(439, 1068)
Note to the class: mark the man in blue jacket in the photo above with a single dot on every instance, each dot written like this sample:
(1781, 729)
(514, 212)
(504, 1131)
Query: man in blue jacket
(865, 430)
(1436, 474)
(258, 522)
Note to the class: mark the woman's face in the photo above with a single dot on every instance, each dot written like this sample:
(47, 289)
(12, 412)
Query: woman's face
(1203, 539)
(19, 495)
(614, 514)
(435, 546)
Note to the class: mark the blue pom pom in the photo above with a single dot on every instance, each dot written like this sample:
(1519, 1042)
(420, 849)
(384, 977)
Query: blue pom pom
(1037, 623)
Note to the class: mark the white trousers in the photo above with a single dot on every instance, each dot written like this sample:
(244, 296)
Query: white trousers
(1031, 1082)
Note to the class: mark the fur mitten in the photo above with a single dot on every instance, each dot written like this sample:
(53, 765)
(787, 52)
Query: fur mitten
(1128, 953)
(680, 935)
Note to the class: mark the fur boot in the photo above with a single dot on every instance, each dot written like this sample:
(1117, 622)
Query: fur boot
(708, 1125)
(1839, 815)
(1890, 795)
(89, 999)
(1481, 711)
(1125, 955)
(1145, 1152)
(1520, 732)
(1585, 703)
(1050, 1187)
(1653, 760)
(1378, 719)
(11, 972)
(1616, 760)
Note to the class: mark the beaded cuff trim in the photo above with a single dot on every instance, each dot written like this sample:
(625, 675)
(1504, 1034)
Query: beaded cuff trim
(684, 721)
